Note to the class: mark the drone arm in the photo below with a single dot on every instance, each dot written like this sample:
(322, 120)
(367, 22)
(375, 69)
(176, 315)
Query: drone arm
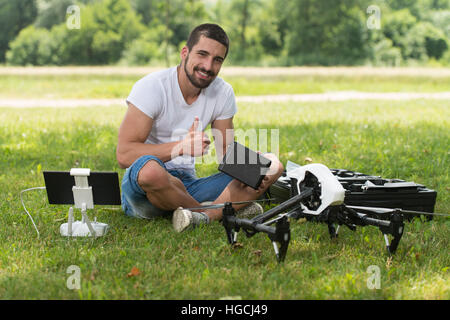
(295, 213)
(283, 206)
(232, 223)
(373, 222)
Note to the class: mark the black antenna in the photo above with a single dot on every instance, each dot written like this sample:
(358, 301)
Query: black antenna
(389, 210)
(221, 205)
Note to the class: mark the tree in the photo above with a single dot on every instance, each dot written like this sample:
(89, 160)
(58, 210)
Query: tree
(14, 16)
(242, 26)
(423, 41)
(272, 27)
(148, 48)
(147, 9)
(243, 7)
(440, 19)
(286, 32)
(396, 26)
(107, 28)
(419, 8)
(51, 12)
(116, 25)
(325, 32)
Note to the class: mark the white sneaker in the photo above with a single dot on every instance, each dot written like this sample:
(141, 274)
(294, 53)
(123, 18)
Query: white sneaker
(183, 219)
(250, 211)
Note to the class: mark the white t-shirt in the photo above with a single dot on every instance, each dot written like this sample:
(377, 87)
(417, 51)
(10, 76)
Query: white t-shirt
(159, 96)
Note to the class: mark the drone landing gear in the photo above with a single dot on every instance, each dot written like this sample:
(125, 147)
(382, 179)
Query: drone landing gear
(393, 225)
(395, 229)
(390, 223)
(333, 230)
(280, 235)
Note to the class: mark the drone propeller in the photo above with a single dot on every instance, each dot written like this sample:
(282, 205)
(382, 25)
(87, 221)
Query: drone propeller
(221, 205)
(388, 210)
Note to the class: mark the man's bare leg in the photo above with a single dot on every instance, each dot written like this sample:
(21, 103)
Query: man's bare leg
(162, 189)
(168, 192)
(237, 191)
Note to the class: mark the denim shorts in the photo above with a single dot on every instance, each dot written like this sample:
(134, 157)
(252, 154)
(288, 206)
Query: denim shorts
(136, 204)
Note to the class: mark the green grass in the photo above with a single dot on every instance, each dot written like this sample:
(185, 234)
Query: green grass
(119, 86)
(407, 140)
(325, 83)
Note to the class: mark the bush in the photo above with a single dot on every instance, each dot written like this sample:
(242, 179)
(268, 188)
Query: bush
(28, 47)
(51, 12)
(326, 33)
(423, 41)
(436, 42)
(39, 46)
(396, 25)
(115, 26)
(15, 15)
(445, 60)
(149, 47)
(440, 20)
(385, 54)
(107, 27)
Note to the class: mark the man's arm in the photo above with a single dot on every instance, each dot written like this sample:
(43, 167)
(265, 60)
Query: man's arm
(223, 132)
(135, 129)
(133, 132)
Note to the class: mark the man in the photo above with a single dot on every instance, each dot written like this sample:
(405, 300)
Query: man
(162, 133)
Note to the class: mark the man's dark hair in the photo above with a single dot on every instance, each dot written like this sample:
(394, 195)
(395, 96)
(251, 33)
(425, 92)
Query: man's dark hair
(211, 31)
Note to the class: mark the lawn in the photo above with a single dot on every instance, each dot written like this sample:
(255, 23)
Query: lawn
(147, 260)
(110, 82)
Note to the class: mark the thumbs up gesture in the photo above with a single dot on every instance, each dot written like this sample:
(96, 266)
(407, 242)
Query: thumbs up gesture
(196, 142)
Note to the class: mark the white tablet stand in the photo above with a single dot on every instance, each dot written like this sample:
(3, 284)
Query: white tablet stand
(82, 195)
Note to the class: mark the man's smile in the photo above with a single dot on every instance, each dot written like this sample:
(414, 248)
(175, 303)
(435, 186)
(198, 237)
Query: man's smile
(203, 74)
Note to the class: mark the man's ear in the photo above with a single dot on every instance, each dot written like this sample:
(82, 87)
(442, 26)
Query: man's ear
(184, 52)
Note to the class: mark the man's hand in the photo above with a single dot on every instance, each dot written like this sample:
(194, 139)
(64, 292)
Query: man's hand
(265, 182)
(196, 143)
(262, 187)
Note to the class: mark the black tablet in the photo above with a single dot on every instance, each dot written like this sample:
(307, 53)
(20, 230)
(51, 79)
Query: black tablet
(105, 187)
(245, 165)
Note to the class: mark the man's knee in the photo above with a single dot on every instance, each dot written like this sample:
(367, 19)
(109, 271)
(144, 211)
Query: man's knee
(152, 176)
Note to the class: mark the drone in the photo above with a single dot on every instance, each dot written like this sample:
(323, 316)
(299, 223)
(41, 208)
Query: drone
(316, 195)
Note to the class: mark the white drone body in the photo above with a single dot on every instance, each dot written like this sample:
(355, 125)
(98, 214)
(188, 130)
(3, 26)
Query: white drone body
(331, 191)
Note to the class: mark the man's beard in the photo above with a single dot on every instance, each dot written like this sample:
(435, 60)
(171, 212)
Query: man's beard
(204, 83)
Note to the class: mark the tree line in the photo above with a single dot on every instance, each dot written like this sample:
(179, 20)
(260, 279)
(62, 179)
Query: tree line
(262, 32)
